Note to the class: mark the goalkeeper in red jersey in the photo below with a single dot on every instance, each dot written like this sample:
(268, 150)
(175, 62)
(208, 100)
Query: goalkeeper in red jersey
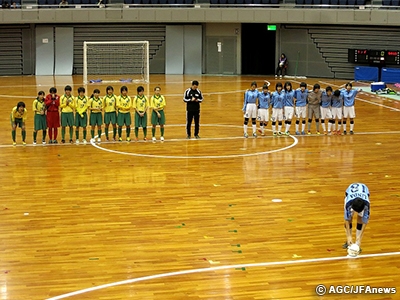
(52, 102)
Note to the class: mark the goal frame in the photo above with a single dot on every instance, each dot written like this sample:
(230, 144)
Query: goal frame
(146, 74)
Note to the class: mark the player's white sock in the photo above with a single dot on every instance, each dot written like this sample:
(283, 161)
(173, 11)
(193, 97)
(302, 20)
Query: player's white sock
(333, 127)
(297, 127)
(344, 127)
(329, 127)
(273, 128)
(245, 128)
(287, 127)
(279, 128)
(262, 128)
(254, 126)
(351, 127)
(323, 126)
(303, 126)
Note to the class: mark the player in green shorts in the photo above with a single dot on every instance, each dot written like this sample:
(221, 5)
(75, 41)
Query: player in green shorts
(157, 103)
(18, 118)
(81, 104)
(96, 116)
(124, 105)
(110, 111)
(39, 120)
(140, 104)
(67, 106)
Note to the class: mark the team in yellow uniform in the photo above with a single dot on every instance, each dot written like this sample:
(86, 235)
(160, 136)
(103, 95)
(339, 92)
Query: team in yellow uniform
(39, 120)
(81, 106)
(96, 116)
(124, 105)
(67, 107)
(18, 119)
(110, 111)
(140, 104)
(157, 104)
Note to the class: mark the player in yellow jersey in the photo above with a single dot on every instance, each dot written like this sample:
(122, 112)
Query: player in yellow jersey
(18, 118)
(124, 105)
(96, 116)
(81, 105)
(157, 103)
(39, 120)
(140, 104)
(110, 111)
(67, 106)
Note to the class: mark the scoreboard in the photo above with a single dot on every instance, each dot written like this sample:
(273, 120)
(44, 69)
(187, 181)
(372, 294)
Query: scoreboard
(374, 57)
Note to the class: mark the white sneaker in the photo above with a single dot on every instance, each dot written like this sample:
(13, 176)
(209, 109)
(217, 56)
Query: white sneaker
(153, 139)
(34, 142)
(280, 76)
(44, 142)
(99, 140)
(162, 139)
(84, 142)
(77, 142)
(93, 140)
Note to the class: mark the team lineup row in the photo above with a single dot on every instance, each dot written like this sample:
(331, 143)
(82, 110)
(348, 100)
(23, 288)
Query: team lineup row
(287, 102)
(52, 110)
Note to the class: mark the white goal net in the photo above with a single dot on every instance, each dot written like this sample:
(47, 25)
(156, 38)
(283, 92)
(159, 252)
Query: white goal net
(116, 61)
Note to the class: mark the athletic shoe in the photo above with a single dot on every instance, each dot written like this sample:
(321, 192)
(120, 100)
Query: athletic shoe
(345, 245)
(329, 133)
(338, 132)
(114, 139)
(297, 133)
(279, 133)
(62, 141)
(287, 133)
(34, 142)
(188, 137)
(145, 139)
(136, 139)
(303, 133)
(318, 132)
(128, 139)
(344, 132)
(55, 142)
(14, 144)
(77, 142)
(274, 134)
(276, 76)
(351, 132)
(197, 137)
(99, 140)
(246, 135)
(107, 139)
(23, 143)
(309, 132)
(44, 142)
(255, 135)
(325, 133)
(262, 134)
(84, 142)
(50, 142)
(120, 139)
(162, 139)
(92, 140)
(153, 139)
(71, 141)
(280, 76)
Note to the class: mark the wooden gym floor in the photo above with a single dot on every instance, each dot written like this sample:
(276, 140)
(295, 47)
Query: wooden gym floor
(195, 219)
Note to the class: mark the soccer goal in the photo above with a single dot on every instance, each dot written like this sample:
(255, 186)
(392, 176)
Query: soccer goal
(116, 61)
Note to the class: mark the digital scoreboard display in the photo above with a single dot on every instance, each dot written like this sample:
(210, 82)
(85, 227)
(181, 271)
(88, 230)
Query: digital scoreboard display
(374, 57)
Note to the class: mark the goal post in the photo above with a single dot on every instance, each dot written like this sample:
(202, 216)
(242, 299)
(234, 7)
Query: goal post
(116, 61)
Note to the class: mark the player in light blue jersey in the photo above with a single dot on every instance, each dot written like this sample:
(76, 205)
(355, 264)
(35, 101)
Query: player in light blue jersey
(326, 100)
(277, 103)
(356, 201)
(337, 111)
(349, 97)
(288, 106)
(300, 100)
(250, 109)
(264, 103)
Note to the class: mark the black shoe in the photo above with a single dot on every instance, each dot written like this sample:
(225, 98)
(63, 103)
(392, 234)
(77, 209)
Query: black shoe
(351, 132)
(50, 142)
(188, 137)
(55, 142)
(63, 141)
(345, 245)
(344, 132)
(71, 141)
(197, 137)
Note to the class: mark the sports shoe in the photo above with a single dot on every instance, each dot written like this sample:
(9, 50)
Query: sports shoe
(276, 76)
(345, 245)
(303, 133)
(71, 141)
(329, 132)
(246, 135)
(279, 133)
(114, 139)
(162, 139)
(145, 139)
(50, 142)
(92, 140)
(318, 132)
(77, 142)
(136, 139)
(120, 139)
(287, 133)
(55, 142)
(344, 132)
(62, 141)
(338, 132)
(99, 140)
(14, 144)
(128, 139)
(309, 132)
(351, 132)
(297, 132)
(280, 76)
(255, 135)
(44, 142)
(262, 134)
(325, 133)
(23, 143)
(188, 137)
(34, 142)
(197, 137)
(153, 139)
(84, 142)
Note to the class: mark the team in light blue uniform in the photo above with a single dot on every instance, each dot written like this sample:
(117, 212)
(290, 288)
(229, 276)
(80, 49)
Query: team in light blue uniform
(288, 106)
(356, 200)
(277, 103)
(326, 113)
(349, 98)
(250, 109)
(300, 100)
(264, 103)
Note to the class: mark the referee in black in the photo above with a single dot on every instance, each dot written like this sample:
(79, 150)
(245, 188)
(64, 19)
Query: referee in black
(193, 97)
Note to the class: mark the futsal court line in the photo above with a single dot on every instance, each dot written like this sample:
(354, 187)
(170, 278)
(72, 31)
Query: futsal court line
(212, 269)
